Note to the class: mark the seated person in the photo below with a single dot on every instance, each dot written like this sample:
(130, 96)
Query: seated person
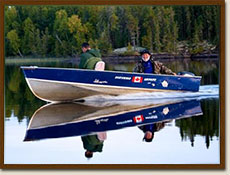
(90, 58)
(150, 129)
(148, 65)
(93, 143)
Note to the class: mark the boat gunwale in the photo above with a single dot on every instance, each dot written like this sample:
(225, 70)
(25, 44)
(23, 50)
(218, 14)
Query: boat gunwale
(120, 72)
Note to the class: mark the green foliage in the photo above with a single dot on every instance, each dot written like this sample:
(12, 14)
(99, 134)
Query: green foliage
(146, 41)
(132, 25)
(59, 31)
(94, 43)
(45, 39)
(61, 23)
(28, 41)
(14, 40)
(104, 43)
(78, 30)
(11, 18)
(129, 48)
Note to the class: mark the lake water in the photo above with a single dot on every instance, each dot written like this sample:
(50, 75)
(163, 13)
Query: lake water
(186, 125)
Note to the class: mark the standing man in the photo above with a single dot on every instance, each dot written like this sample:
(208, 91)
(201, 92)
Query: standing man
(90, 58)
(148, 65)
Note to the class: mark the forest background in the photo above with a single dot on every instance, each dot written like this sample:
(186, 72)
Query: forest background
(59, 31)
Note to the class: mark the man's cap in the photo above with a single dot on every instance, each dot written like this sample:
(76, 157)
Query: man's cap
(145, 51)
(85, 45)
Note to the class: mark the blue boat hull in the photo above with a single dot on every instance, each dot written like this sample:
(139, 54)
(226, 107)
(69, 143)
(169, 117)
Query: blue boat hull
(62, 84)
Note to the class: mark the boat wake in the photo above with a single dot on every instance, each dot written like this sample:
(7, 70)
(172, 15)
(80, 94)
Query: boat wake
(205, 92)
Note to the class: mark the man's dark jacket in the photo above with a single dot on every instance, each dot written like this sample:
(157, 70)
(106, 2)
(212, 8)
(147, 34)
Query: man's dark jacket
(92, 143)
(89, 59)
(158, 67)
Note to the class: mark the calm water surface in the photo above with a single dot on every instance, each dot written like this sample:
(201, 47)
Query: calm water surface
(186, 124)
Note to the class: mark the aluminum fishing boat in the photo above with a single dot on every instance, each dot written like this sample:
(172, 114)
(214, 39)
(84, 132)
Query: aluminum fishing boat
(68, 84)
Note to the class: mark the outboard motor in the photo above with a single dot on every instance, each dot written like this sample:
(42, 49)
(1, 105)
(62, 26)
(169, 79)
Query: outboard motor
(185, 73)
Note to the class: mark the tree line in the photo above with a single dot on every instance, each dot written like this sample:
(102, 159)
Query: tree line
(59, 31)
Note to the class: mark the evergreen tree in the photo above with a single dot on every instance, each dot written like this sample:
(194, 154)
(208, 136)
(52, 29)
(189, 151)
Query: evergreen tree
(188, 23)
(132, 26)
(45, 42)
(28, 41)
(104, 43)
(156, 30)
(37, 47)
(121, 35)
(148, 25)
(168, 26)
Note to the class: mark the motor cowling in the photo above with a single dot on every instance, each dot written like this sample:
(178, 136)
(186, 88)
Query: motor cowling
(186, 73)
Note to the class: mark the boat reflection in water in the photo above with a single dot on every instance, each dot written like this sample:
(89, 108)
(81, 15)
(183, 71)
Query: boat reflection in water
(81, 119)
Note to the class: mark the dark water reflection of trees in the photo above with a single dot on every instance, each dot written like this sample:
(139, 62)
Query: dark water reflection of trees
(18, 98)
(206, 125)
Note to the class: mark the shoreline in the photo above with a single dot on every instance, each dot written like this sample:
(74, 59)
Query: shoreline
(115, 59)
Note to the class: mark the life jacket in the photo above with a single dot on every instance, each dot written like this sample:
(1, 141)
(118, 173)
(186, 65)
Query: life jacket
(91, 62)
(90, 58)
